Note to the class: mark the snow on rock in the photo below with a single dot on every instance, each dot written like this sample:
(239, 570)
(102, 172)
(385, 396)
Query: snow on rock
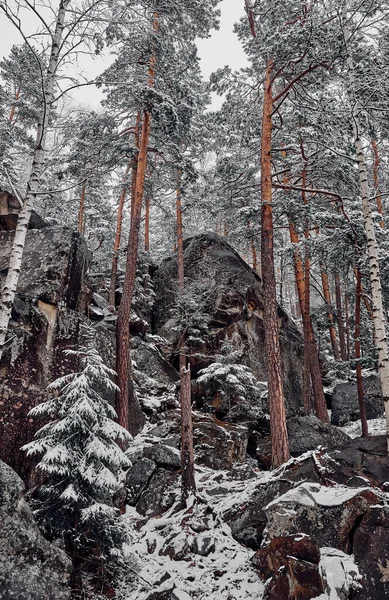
(340, 574)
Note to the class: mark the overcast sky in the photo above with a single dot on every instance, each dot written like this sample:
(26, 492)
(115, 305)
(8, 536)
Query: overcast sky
(222, 48)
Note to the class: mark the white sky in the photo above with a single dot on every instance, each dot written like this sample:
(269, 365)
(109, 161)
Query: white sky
(222, 48)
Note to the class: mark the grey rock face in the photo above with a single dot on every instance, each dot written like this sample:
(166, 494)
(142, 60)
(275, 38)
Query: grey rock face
(308, 432)
(345, 406)
(54, 263)
(163, 456)
(137, 479)
(219, 445)
(229, 296)
(160, 495)
(30, 567)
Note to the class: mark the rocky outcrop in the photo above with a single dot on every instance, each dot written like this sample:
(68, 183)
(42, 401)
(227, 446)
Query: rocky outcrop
(224, 307)
(344, 403)
(30, 567)
(47, 318)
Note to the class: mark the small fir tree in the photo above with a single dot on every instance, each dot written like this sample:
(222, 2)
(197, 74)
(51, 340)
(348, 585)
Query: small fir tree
(81, 464)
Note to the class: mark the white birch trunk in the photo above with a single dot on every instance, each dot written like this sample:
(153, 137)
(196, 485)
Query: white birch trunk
(380, 336)
(9, 288)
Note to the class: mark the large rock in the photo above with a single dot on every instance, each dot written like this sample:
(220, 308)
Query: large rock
(160, 494)
(290, 567)
(328, 514)
(219, 445)
(305, 433)
(55, 260)
(227, 302)
(248, 519)
(371, 550)
(47, 318)
(344, 404)
(30, 567)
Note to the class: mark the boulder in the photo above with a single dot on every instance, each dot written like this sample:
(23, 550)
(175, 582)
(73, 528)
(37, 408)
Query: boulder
(137, 479)
(203, 545)
(344, 403)
(219, 445)
(328, 514)
(371, 551)
(160, 494)
(308, 433)
(363, 461)
(305, 433)
(290, 567)
(176, 548)
(248, 519)
(30, 567)
(227, 300)
(163, 456)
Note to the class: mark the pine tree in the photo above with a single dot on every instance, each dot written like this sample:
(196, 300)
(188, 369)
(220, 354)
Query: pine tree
(81, 464)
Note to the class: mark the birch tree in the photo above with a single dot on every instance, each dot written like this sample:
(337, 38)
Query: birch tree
(356, 110)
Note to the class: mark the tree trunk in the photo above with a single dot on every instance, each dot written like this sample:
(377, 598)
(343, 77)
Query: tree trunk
(147, 225)
(339, 316)
(279, 433)
(372, 247)
(81, 228)
(15, 260)
(118, 235)
(347, 326)
(327, 298)
(376, 181)
(127, 406)
(311, 356)
(12, 112)
(188, 485)
(358, 366)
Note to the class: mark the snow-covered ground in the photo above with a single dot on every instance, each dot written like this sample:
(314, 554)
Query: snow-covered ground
(226, 573)
(376, 427)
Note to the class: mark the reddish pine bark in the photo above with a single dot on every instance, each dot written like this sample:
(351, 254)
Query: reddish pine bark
(311, 353)
(358, 367)
(118, 235)
(147, 225)
(347, 326)
(81, 221)
(327, 298)
(339, 316)
(127, 406)
(279, 433)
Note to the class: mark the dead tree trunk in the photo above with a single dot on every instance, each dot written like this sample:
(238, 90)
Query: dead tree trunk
(127, 406)
(15, 261)
(279, 433)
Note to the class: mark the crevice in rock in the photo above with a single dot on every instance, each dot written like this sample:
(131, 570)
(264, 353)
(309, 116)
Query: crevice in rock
(350, 541)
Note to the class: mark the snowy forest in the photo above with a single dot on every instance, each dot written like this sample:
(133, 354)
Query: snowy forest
(194, 301)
